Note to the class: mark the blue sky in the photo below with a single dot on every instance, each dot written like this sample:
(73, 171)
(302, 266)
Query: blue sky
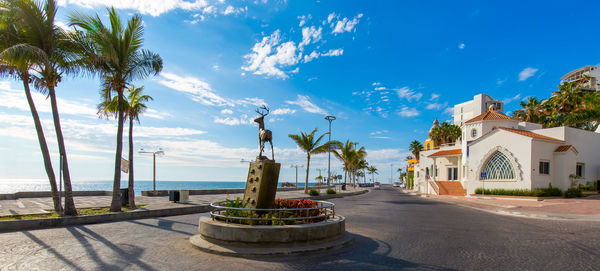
(385, 69)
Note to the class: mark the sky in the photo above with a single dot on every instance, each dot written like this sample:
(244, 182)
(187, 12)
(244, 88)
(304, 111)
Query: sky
(384, 69)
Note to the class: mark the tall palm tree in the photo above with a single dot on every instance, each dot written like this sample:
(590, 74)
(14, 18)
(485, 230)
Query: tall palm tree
(135, 105)
(11, 35)
(415, 148)
(372, 170)
(52, 53)
(309, 144)
(344, 153)
(532, 110)
(115, 53)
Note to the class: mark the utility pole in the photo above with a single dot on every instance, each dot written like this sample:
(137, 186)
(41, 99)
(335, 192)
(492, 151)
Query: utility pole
(296, 166)
(154, 153)
(330, 119)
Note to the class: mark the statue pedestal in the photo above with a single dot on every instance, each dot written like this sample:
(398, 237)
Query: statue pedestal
(261, 184)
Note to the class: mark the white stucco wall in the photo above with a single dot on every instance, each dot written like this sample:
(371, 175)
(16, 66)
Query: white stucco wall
(516, 147)
(543, 150)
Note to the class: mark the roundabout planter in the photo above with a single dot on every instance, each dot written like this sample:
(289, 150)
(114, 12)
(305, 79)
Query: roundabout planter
(218, 235)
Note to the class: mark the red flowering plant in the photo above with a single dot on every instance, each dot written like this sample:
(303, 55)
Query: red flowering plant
(299, 203)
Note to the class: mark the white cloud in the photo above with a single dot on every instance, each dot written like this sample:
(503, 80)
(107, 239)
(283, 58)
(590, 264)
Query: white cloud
(376, 84)
(202, 92)
(230, 10)
(380, 88)
(461, 46)
(216, 67)
(12, 98)
(303, 19)
(526, 73)
(330, 17)
(305, 103)
(314, 54)
(150, 7)
(408, 112)
(268, 56)
(344, 25)
(500, 81)
(436, 106)
(283, 111)
(233, 121)
(511, 99)
(449, 110)
(408, 93)
(310, 35)
(434, 97)
(380, 132)
(226, 111)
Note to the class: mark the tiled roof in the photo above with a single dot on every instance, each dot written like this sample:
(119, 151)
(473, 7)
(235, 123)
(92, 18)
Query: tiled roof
(490, 115)
(529, 134)
(446, 152)
(564, 148)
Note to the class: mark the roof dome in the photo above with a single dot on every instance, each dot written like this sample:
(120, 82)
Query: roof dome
(436, 123)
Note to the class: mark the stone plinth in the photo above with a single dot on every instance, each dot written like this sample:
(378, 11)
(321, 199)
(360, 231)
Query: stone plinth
(261, 184)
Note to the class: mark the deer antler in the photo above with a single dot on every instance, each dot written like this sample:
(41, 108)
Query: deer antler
(264, 107)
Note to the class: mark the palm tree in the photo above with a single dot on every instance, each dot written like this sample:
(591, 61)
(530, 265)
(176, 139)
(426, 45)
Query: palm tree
(532, 111)
(344, 154)
(310, 145)
(134, 107)
(415, 148)
(115, 53)
(445, 133)
(11, 35)
(51, 52)
(372, 170)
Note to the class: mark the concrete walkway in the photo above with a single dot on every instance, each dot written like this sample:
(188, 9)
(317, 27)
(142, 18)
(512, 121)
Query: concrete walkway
(44, 205)
(587, 208)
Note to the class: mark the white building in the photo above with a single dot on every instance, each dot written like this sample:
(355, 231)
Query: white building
(497, 151)
(582, 74)
(480, 104)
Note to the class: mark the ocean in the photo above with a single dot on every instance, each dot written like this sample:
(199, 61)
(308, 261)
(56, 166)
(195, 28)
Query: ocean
(13, 186)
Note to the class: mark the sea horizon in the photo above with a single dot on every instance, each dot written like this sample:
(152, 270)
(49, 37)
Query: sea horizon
(8, 186)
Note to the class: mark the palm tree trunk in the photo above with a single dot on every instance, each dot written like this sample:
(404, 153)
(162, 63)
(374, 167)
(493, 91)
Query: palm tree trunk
(345, 174)
(306, 181)
(69, 203)
(43, 144)
(130, 184)
(115, 204)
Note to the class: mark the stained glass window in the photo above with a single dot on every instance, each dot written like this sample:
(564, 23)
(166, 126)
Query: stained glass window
(499, 168)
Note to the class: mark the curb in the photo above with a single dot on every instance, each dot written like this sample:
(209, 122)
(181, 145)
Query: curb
(28, 224)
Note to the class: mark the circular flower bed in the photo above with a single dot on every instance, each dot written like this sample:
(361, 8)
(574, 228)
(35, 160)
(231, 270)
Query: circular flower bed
(285, 212)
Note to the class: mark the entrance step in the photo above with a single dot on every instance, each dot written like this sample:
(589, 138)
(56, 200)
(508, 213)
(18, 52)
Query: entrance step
(451, 188)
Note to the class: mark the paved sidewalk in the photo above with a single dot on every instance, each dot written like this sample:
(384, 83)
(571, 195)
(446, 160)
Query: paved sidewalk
(44, 205)
(587, 208)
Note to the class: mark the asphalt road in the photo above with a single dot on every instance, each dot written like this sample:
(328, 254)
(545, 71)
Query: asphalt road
(392, 231)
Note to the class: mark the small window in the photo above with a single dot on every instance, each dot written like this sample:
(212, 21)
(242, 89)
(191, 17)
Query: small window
(427, 172)
(579, 169)
(452, 174)
(417, 174)
(436, 172)
(474, 133)
(544, 167)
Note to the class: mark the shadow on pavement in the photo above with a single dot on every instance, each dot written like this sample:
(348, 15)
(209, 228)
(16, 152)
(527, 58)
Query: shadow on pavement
(163, 224)
(364, 254)
(52, 251)
(414, 202)
(126, 254)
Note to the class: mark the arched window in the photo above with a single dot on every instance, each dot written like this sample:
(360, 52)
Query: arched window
(427, 171)
(498, 168)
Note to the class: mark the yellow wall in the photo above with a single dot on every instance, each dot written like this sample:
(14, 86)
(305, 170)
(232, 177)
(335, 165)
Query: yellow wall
(428, 145)
(411, 164)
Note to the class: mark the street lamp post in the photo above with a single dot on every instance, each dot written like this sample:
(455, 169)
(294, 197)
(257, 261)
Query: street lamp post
(330, 119)
(154, 153)
(296, 166)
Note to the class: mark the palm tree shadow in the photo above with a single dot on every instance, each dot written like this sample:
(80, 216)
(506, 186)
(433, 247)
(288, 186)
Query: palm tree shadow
(364, 254)
(127, 254)
(53, 251)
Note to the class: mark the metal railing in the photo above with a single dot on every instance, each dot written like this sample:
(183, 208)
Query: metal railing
(285, 216)
(435, 187)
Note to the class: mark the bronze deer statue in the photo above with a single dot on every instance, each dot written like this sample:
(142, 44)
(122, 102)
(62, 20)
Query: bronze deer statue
(264, 135)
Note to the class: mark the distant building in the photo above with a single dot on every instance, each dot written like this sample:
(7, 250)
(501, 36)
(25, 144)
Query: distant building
(582, 75)
(479, 105)
(498, 151)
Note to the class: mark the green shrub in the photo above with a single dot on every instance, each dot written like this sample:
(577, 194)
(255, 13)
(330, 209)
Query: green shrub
(313, 192)
(573, 193)
(538, 192)
(330, 191)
